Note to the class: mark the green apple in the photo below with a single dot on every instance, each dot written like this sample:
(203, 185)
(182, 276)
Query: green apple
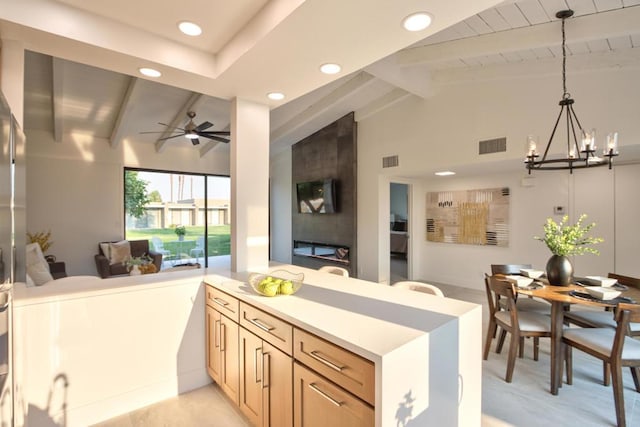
(286, 287)
(270, 290)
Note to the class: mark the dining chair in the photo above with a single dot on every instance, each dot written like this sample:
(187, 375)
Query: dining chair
(419, 286)
(524, 303)
(587, 318)
(614, 347)
(504, 313)
(334, 270)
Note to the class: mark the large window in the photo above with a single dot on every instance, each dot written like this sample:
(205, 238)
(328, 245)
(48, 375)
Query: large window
(184, 216)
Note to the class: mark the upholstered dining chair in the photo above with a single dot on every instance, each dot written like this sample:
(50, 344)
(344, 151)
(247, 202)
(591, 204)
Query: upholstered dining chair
(614, 347)
(504, 312)
(591, 318)
(334, 270)
(588, 318)
(419, 286)
(524, 303)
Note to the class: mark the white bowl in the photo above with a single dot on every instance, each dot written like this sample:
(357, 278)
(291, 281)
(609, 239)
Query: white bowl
(531, 273)
(602, 293)
(605, 282)
(277, 277)
(520, 281)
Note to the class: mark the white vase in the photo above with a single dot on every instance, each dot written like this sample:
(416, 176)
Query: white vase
(135, 270)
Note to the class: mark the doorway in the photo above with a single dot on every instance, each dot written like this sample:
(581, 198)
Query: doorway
(399, 231)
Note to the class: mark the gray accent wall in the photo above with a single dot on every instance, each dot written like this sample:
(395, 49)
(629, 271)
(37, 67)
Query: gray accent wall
(328, 153)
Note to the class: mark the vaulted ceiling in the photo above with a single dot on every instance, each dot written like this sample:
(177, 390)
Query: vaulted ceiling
(81, 71)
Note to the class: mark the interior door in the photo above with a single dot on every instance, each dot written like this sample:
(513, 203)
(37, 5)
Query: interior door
(399, 231)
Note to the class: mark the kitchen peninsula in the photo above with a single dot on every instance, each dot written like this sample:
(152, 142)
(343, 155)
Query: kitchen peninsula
(127, 342)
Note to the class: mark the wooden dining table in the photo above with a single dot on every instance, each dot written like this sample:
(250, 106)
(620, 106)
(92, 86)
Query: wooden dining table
(560, 297)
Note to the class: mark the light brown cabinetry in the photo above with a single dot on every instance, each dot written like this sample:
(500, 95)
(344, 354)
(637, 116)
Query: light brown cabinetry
(344, 368)
(265, 382)
(320, 403)
(222, 347)
(325, 386)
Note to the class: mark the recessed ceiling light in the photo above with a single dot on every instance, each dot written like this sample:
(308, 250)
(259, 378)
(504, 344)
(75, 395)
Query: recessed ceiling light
(417, 21)
(330, 68)
(276, 96)
(149, 72)
(189, 28)
(445, 173)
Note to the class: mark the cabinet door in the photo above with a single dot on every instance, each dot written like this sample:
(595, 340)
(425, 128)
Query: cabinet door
(251, 376)
(277, 387)
(213, 344)
(230, 367)
(320, 403)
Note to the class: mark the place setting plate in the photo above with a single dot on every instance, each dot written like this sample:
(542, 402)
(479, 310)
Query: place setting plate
(583, 295)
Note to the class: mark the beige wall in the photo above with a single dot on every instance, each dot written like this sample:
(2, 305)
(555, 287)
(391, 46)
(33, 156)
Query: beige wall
(443, 133)
(75, 189)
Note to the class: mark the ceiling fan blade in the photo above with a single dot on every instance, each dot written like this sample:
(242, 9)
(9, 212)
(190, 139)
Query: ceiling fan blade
(203, 126)
(169, 137)
(172, 127)
(215, 138)
(195, 141)
(215, 132)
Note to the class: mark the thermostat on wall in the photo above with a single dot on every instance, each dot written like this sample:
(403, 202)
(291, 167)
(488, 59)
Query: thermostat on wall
(559, 210)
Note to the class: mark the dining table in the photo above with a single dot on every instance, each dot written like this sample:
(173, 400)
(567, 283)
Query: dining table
(561, 298)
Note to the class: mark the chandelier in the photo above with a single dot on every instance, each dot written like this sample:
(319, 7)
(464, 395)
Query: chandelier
(578, 156)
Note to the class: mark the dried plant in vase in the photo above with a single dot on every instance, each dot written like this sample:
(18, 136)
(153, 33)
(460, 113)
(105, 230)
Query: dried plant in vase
(42, 238)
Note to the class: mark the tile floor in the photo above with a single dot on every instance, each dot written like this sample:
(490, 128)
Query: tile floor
(526, 402)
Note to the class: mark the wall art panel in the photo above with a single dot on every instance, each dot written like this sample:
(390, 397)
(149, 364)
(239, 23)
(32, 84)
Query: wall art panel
(470, 217)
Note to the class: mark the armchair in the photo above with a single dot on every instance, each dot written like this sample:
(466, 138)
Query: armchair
(138, 248)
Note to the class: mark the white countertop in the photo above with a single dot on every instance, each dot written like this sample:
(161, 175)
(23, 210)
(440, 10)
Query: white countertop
(367, 318)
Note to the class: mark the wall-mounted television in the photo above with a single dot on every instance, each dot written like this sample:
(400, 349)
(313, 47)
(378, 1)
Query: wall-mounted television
(317, 196)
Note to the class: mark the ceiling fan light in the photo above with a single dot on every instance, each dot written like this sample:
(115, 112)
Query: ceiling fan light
(190, 28)
(191, 135)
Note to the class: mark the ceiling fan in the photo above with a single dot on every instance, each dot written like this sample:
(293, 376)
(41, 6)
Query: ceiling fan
(193, 132)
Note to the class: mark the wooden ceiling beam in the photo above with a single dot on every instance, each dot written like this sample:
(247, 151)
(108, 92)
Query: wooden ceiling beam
(356, 83)
(117, 133)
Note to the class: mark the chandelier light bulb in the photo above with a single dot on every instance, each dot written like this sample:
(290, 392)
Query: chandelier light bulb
(612, 144)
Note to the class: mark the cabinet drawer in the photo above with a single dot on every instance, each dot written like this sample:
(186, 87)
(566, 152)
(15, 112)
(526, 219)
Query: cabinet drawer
(276, 332)
(350, 371)
(320, 403)
(224, 303)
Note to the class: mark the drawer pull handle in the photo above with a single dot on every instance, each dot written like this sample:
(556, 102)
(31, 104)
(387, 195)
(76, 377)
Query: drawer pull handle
(220, 302)
(313, 387)
(317, 355)
(260, 324)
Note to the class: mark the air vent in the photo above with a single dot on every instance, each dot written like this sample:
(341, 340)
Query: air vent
(390, 162)
(496, 145)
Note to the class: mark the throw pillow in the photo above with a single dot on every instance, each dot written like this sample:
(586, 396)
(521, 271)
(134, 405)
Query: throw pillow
(37, 266)
(105, 250)
(120, 252)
